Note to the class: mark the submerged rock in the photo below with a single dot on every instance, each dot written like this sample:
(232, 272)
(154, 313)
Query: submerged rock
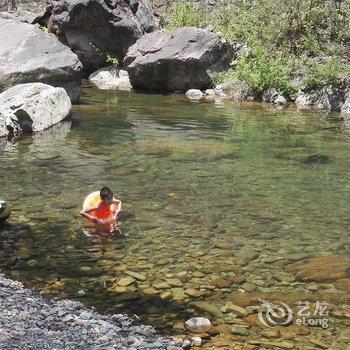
(207, 307)
(239, 330)
(343, 284)
(197, 323)
(178, 294)
(34, 56)
(245, 256)
(181, 60)
(238, 310)
(249, 287)
(136, 275)
(196, 341)
(95, 28)
(317, 159)
(125, 281)
(321, 269)
(32, 107)
(111, 78)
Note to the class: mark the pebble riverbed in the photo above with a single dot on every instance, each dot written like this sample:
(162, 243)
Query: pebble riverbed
(28, 321)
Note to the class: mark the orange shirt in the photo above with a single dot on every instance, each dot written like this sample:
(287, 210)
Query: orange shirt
(103, 211)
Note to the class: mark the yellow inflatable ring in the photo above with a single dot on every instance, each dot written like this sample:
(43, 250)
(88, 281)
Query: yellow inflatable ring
(92, 200)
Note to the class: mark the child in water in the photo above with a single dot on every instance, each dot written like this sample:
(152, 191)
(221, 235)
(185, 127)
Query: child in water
(103, 209)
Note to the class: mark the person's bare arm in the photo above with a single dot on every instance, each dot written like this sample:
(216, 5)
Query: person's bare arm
(86, 214)
(119, 207)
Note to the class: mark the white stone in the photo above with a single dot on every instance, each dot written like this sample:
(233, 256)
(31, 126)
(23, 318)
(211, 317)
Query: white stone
(280, 101)
(196, 341)
(196, 323)
(194, 94)
(111, 78)
(210, 92)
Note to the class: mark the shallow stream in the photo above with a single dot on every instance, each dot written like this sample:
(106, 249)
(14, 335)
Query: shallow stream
(219, 200)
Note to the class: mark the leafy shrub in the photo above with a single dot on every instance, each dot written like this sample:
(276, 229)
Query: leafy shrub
(185, 14)
(320, 75)
(261, 71)
(112, 60)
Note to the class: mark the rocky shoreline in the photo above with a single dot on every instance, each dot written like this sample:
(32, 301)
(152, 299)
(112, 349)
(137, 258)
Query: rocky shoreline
(28, 321)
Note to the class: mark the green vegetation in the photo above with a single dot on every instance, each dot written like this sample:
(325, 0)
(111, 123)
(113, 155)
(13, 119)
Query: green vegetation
(185, 14)
(261, 73)
(112, 60)
(285, 37)
(329, 73)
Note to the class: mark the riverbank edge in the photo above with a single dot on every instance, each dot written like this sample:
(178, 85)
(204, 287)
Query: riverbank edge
(30, 321)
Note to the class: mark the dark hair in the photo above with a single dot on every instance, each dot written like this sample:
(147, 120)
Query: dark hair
(106, 192)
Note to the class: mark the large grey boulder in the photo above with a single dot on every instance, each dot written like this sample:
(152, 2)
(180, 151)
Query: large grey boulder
(30, 12)
(8, 122)
(29, 55)
(32, 107)
(327, 98)
(95, 28)
(183, 60)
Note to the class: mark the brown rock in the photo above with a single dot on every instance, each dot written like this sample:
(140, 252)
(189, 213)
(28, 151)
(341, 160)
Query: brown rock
(237, 279)
(343, 284)
(226, 253)
(287, 332)
(252, 320)
(249, 287)
(270, 333)
(191, 285)
(194, 293)
(282, 345)
(222, 283)
(321, 269)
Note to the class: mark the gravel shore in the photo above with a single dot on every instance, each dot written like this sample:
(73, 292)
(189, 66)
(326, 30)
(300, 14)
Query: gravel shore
(28, 321)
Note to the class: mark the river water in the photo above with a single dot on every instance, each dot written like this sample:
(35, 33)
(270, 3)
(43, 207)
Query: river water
(220, 203)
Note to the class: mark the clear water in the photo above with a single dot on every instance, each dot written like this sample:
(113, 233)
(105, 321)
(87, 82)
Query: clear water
(199, 182)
